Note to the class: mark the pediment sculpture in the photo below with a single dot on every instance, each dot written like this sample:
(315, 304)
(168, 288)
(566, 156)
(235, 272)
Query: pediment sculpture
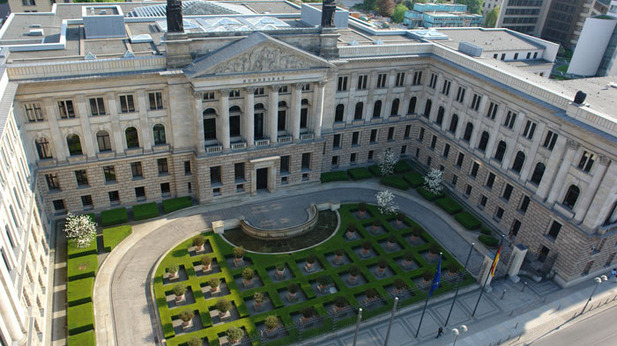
(263, 59)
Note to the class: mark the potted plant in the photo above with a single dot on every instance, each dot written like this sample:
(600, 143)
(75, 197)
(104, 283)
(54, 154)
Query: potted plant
(234, 334)
(391, 242)
(272, 322)
(371, 294)
(310, 260)
(195, 342)
(238, 256)
(434, 250)
(323, 282)
(354, 271)
(340, 303)
(452, 269)
(427, 275)
(179, 291)
(307, 313)
(223, 306)
(381, 267)
(399, 285)
(366, 248)
(292, 291)
(407, 259)
(351, 232)
(361, 208)
(198, 242)
(258, 297)
(338, 256)
(399, 218)
(280, 270)
(215, 285)
(248, 274)
(172, 270)
(376, 225)
(187, 318)
(415, 234)
(206, 264)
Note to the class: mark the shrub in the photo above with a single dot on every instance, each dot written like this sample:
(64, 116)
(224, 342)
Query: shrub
(402, 167)
(114, 217)
(334, 176)
(452, 268)
(324, 280)
(427, 275)
(414, 179)
(311, 258)
(340, 302)
(359, 173)
(362, 206)
(376, 223)
(366, 245)
(395, 182)
(449, 205)
(382, 263)
(74, 251)
(238, 252)
(79, 291)
(82, 339)
(354, 270)
(234, 333)
(351, 228)
(434, 248)
(339, 252)
(371, 293)
(488, 240)
(145, 211)
(206, 260)
(81, 229)
(174, 204)
(172, 269)
(80, 318)
(416, 232)
(399, 284)
(307, 312)
(199, 240)
(427, 194)
(82, 267)
(486, 230)
(186, 315)
(374, 169)
(292, 288)
(223, 305)
(248, 274)
(467, 220)
(114, 235)
(400, 216)
(408, 256)
(214, 282)
(195, 341)
(272, 322)
(392, 239)
(179, 289)
(280, 267)
(258, 297)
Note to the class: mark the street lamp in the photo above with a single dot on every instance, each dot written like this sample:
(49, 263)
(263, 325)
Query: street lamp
(456, 332)
(598, 280)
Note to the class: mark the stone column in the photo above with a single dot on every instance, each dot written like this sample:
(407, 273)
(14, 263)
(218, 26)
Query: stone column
(145, 134)
(58, 140)
(551, 167)
(248, 120)
(87, 135)
(582, 207)
(560, 179)
(602, 200)
(10, 318)
(518, 255)
(318, 109)
(199, 123)
(531, 154)
(296, 106)
(117, 132)
(222, 131)
(273, 113)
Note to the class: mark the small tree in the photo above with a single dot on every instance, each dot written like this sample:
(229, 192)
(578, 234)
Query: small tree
(434, 249)
(238, 252)
(186, 315)
(386, 161)
(311, 259)
(234, 334)
(199, 241)
(258, 297)
(214, 283)
(293, 288)
(280, 267)
(248, 274)
(399, 13)
(354, 270)
(371, 293)
(340, 302)
(195, 342)
(272, 322)
(399, 284)
(362, 207)
(324, 281)
(385, 202)
(173, 269)
(206, 261)
(433, 181)
(453, 268)
(223, 305)
(427, 275)
(339, 252)
(382, 263)
(179, 290)
(391, 241)
(366, 246)
(307, 312)
(386, 7)
(81, 229)
(408, 256)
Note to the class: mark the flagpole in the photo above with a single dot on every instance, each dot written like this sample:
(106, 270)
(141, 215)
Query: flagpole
(486, 280)
(458, 285)
(428, 296)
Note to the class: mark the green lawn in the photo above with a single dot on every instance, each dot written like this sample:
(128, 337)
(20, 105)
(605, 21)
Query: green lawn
(113, 236)
(80, 318)
(82, 267)
(82, 339)
(261, 263)
(79, 291)
(73, 251)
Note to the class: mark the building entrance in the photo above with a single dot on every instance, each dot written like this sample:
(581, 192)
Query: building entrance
(262, 179)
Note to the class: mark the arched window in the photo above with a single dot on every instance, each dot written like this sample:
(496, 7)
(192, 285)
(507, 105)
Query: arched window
(357, 115)
(74, 145)
(501, 151)
(132, 139)
(209, 124)
(427, 108)
(282, 116)
(440, 114)
(394, 110)
(453, 123)
(339, 115)
(103, 140)
(468, 132)
(377, 109)
(571, 196)
(538, 172)
(412, 105)
(483, 141)
(43, 148)
(519, 160)
(258, 124)
(304, 110)
(159, 134)
(234, 121)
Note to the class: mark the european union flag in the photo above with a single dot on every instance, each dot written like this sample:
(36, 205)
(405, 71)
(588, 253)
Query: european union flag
(436, 278)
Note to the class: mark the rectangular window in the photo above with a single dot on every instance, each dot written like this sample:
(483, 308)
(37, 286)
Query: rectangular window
(490, 181)
(403, 150)
(156, 100)
(474, 169)
(516, 226)
(306, 161)
(417, 152)
(530, 128)
(550, 140)
(82, 177)
(483, 201)
(586, 162)
(285, 164)
(391, 133)
(114, 197)
(208, 95)
(507, 192)
(433, 142)
(446, 151)
(503, 56)
(66, 109)
(428, 161)
(553, 232)
(535, 55)
(460, 95)
(446, 87)
(400, 79)
(136, 170)
(127, 104)
(362, 82)
(381, 80)
(52, 181)
(86, 201)
(515, 56)
(510, 120)
(334, 161)
(355, 138)
(59, 205)
(524, 204)
(373, 138)
(187, 167)
(259, 91)
(499, 213)
(165, 189)
(421, 134)
(33, 112)
(454, 179)
(528, 55)
(342, 83)
(371, 154)
(283, 89)
(110, 174)
(417, 78)
(352, 158)
(460, 159)
(306, 87)
(215, 175)
(140, 193)
(209, 129)
(239, 171)
(234, 93)
(433, 82)
(468, 190)
(97, 106)
(336, 141)
(162, 165)
(492, 111)
(407, 131)
(475, 102)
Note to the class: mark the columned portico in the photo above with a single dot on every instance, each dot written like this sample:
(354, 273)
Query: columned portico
(269, 164)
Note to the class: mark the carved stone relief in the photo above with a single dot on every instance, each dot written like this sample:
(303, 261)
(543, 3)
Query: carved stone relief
(262, 59)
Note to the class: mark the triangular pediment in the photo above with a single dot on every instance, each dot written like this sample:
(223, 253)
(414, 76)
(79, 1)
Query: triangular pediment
(257, 53)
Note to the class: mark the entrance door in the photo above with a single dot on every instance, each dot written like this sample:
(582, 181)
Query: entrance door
(262, 179)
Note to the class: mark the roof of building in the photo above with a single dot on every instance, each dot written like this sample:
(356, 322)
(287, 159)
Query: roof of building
(489, 39)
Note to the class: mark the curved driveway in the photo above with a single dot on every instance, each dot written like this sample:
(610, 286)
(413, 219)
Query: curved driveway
(123, 313)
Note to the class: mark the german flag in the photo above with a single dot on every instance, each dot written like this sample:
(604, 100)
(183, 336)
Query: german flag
(494, 265)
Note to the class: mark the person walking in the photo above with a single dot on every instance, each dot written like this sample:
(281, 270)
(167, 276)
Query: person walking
(614, 274)
(439, 332)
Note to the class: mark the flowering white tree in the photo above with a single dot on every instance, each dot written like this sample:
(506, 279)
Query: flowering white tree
(385, 202)
(80, 228)
(433, 180)
(386, 161)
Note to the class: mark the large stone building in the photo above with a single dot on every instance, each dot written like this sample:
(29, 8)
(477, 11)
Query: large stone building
(112, 108)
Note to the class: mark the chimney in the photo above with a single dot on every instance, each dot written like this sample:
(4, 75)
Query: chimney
(174, 16)
(580, 97)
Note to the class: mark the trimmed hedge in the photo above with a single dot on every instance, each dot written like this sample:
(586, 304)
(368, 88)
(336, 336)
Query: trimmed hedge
(396, 182)
(486, 230)
(414, 179)
(145, 211)
(488, 240)
(80, 318)
(82, 267)
(374, 169)
(114, 217)
(359, 173)
(402, 167)
(174, 204)
(73, 251)
(334, 176)
(467, 220)
(82, 339)
(79, 291)
(113, 236)
(449, 205)
(428, 195)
